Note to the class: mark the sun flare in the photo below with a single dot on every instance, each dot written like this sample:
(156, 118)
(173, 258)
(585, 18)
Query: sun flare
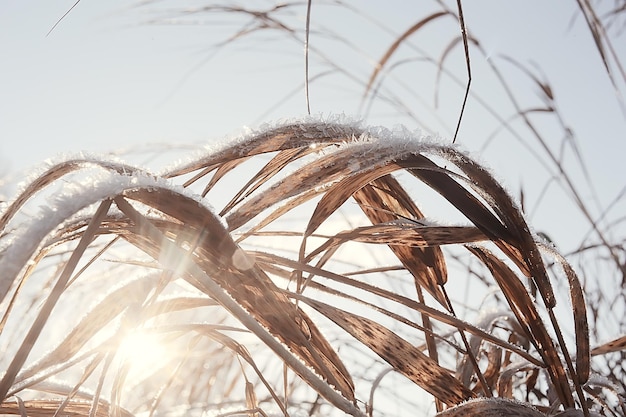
(144, 352)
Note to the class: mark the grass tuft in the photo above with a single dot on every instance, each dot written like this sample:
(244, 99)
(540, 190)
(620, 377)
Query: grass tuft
(278, 280)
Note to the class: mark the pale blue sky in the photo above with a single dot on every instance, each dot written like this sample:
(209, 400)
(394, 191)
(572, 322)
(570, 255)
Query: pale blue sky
(106, 79)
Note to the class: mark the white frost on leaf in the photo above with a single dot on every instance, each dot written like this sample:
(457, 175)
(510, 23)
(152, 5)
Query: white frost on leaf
(74, 198)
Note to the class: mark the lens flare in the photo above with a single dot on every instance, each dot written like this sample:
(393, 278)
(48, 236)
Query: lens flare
(144, 352)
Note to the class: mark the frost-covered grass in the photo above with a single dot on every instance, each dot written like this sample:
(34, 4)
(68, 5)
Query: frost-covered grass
(320, 266)
(233, 319)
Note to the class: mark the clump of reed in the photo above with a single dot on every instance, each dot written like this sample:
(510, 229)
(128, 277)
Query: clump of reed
(317, 267)
(318, 282)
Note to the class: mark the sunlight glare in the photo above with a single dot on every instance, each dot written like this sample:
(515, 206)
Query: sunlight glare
(144, 352)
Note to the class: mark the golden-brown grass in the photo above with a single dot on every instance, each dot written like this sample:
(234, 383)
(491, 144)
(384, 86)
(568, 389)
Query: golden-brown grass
(277, 277)
(322, 282)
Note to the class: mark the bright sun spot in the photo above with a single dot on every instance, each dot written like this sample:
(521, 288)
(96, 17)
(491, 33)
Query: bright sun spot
(144, 352)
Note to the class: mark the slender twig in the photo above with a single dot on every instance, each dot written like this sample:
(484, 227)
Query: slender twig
(306, 56)
(469, 68)
(62, 17)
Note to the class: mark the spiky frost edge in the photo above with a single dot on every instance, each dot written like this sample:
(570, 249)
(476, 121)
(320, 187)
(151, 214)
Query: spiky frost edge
(18, 248)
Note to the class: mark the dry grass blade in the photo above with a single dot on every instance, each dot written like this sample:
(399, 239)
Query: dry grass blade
(337, 194)
(579, 310)
(544, 87)
(444, 183)
(289, 136)
(270, 169)
(396, 44)
(47, 408)
(492, 353)
(88, 371)
(307, 180)
(440, 63)
(600, 38)
(515, 238)
(240, 350)
(528, 317)
(380, 200)
(399, 353)
(53, 174)
(103, 313)
(63, 17)
(269, 261)
(615, 345)
(176, 304)
(250, 287)
(492, 407)
(403, 233)
(221, 171)
(382, 204)
(51, 300)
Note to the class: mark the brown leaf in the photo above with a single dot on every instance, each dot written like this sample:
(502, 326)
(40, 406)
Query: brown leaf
(221, 172)
(403, 233)
(250, 287)
(492, 407)
(442, 182)
(45, 408)
(402, 355)
(291, 136)
(614, 345)
(528, 317)
(510, 230)
(383, 200)
(404, 36)
(278, 162)
(581, 326)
